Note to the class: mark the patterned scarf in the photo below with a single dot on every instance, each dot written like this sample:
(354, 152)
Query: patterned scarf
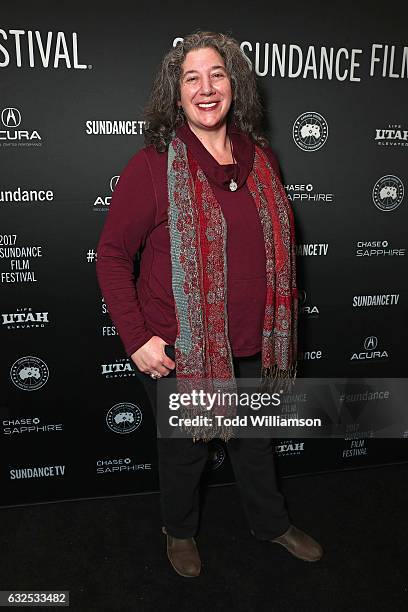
(198, 236)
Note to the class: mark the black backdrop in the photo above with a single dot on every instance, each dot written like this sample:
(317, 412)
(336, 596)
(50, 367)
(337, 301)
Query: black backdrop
(342, 144)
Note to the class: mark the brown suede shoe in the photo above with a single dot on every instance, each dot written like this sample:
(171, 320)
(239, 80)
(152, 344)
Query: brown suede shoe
(300, 544)
(183, 555)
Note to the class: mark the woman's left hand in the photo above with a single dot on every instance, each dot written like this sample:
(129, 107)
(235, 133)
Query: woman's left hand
(151, 358)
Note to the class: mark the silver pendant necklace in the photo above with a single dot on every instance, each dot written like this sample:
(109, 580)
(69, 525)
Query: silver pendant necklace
(233, 186)
(233, 183)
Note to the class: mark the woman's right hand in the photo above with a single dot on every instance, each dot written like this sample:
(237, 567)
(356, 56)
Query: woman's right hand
(151, 358)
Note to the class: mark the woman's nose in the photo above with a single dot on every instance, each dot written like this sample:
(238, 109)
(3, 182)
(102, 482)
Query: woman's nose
(207, 87)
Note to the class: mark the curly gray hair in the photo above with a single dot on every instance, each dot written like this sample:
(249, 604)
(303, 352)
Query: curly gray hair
(162, 114)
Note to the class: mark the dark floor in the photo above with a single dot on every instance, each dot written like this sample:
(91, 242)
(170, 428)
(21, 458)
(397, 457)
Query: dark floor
(109, 553)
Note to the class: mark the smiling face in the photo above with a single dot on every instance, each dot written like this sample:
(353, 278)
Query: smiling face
(205, 90)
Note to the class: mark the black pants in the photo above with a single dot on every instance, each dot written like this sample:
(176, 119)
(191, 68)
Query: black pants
(182, 461)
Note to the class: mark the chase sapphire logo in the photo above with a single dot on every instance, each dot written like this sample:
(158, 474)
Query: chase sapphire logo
(124, 418)
(310, 131)
(388, 192)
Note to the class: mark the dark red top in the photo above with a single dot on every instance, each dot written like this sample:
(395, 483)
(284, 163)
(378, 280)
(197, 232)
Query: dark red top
(137, 218)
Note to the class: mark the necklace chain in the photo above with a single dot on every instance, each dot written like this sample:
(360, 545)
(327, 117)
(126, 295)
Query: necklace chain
(233, 182)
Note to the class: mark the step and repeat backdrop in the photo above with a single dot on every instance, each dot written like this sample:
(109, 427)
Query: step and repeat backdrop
(73, 83)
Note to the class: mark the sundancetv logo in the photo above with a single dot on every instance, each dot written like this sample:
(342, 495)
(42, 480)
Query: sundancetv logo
(110, 127)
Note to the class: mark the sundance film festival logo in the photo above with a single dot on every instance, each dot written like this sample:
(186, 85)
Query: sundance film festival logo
(388, 192)
(26, 195)
(392, 136)
(11, 135)
(29, 373)
(356, 444)
(124, 418)
(310, 131)
(28, 48)
(216, 455)
(19, 260)
(102, 202)
(371, 351)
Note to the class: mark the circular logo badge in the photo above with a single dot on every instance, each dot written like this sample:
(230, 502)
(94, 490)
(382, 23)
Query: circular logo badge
(370, 343)
(310, 131)
(216, 455)
(10, 117)
(388, 192)
(29, 373)
(124, 418)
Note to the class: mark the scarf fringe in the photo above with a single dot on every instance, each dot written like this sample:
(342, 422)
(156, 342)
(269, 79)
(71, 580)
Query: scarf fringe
(274, 379)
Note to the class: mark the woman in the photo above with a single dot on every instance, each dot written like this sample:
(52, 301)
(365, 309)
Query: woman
(206, 307)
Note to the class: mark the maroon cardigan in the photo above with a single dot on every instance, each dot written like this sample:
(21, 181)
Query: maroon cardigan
(137, 219)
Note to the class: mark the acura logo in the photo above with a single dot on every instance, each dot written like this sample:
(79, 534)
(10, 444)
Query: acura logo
(113, 182)
(370, 343)
(11, 117)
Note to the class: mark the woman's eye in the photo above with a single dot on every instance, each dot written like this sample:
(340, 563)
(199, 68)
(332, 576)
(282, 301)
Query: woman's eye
(190, 79)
